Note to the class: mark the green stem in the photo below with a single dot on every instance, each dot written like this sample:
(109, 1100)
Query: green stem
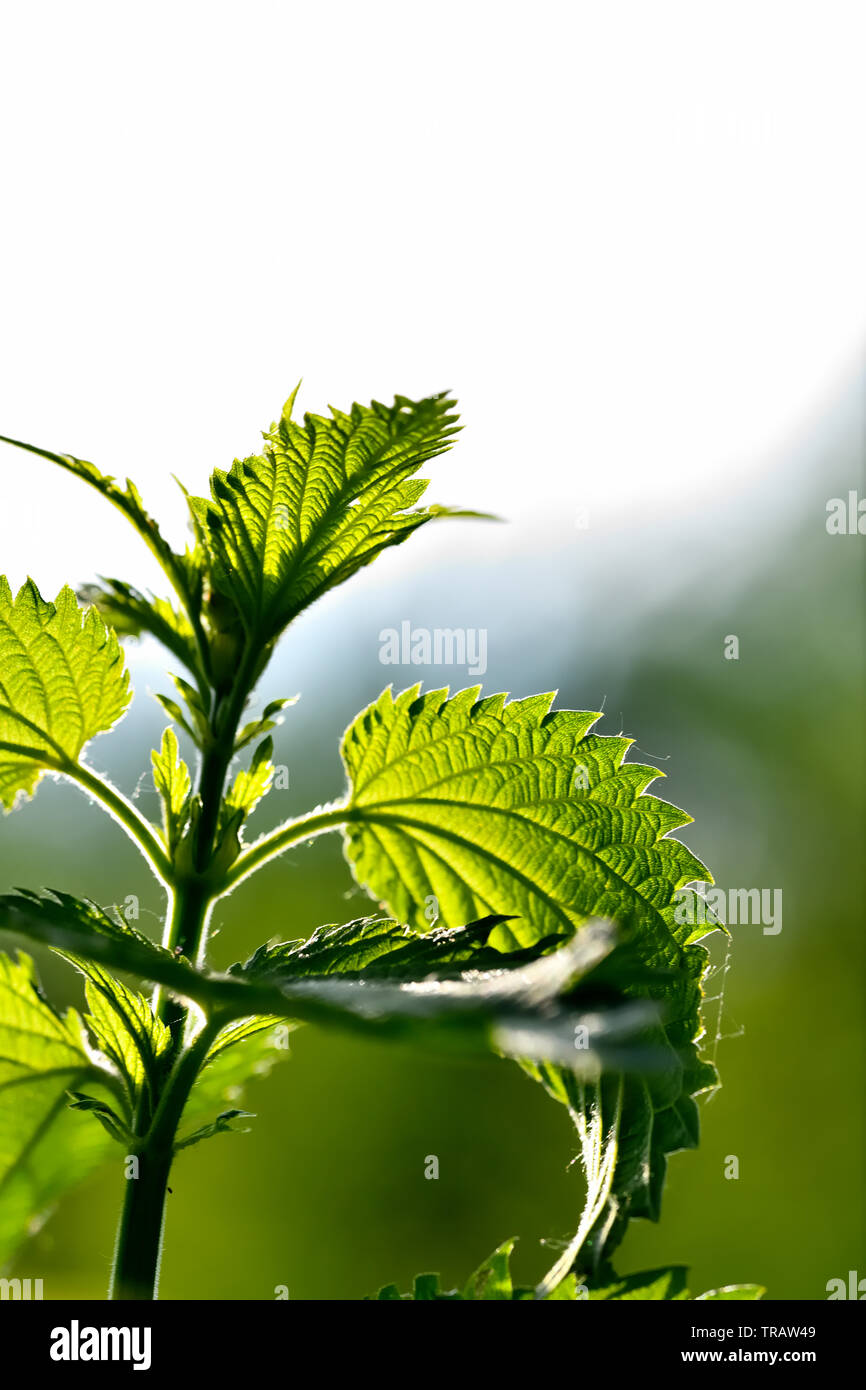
(138, 1250)
(113, 801)
(600, 1155)
(186, 934)
(227, 714)
(135, 1274)
(187, 921)
(123, 811)
(269, 846)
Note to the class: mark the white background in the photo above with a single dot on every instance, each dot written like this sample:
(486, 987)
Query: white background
(629, 236)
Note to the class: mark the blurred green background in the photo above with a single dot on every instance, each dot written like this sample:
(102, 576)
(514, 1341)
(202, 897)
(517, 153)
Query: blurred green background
(326, 1194)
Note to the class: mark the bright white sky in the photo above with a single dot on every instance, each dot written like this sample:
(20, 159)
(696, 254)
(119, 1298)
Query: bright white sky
(630, 236)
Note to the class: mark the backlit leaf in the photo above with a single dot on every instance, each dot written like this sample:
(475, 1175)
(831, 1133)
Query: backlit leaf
(488, 806)
(62, 681)
(323, 499)
(45, 1147)
(125, 1030)
(172, 780)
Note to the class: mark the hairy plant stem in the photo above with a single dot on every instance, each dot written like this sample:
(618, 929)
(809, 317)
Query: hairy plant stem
(124, 813)
(272, 845)
(227, 712)
(135, 1272)
(107, 796)
(599, 1156)
(138, 1249)
(185, 934)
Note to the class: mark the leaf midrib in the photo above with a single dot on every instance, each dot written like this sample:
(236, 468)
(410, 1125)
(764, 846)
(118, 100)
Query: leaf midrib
(510, 871)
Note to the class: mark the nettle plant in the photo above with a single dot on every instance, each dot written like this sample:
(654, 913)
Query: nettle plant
(559, 938)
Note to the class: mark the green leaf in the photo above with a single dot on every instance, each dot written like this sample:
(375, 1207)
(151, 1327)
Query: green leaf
(516, 1010)
(83, 929)
(35, 1038)
(244, 1051)
(132, 613)
(45, 1147)
(243, 1029)
(664, 1285)
(426, 1290)
(172, 780)
(651, 1284)
(126, 1030)
(382, 947)
(566, 1292)
(174, 712)
(250, 786)
(221, 1125)
(246, 792)
(267, 721)
(628, 1125)
(492, 1280)
(323, 499)
(198, 725)
(489, 806)
(63, 681)
(107, 1117)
